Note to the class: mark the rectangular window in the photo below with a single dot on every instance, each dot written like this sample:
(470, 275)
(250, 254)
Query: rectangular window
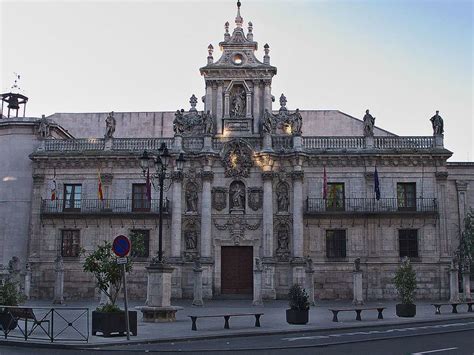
(143, 236)
(72, 197)
(70, 243)
(140, 200)
(336, 243)
(406, 196)
(408, 242)
(335, 197)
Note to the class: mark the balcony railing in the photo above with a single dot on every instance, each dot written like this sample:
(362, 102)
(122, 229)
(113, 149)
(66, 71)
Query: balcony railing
(313, 143)
(403, 142)
(282, 143)
(74, 144)
(193, 144)
(141, 144)
(370, 205)
(106, 207)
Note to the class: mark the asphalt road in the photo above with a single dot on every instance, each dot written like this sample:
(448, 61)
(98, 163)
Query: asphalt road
(453, 337)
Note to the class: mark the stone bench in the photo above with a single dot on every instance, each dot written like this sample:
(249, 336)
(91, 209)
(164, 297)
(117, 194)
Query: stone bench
(358, 311)
(454, 305)
(226, 318)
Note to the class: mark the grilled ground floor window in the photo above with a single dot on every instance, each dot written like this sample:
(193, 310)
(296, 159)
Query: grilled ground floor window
(408, 242)
(141, 239)
(70, 242)
(336, 243)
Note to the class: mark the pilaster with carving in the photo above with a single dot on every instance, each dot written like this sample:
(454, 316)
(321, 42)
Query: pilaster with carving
(297, 176)
(267, 230)
(206, 206)
(176, 214)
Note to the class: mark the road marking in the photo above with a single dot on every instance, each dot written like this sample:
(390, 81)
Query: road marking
(372, 332)
(434, 351)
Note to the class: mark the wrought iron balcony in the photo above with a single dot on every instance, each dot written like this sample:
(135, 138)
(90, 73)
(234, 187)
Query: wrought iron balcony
(103, 207)
(355, 206)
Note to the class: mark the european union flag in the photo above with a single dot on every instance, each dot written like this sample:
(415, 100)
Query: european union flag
(376, 184)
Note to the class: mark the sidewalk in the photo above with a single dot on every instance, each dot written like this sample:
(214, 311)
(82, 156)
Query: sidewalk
(273, 321)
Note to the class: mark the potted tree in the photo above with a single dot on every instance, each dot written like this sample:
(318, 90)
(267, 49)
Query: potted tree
(405, 282)
(9, 296)
(109, 318)
(299, 305)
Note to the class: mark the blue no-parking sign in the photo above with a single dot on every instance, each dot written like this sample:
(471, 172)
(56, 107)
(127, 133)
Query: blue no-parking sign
(121, 246)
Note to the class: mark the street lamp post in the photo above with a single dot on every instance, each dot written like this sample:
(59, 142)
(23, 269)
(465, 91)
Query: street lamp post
(160, 162)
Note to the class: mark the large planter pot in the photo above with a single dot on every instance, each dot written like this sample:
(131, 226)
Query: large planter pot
(113, 322)
(406, 310)
(7, 322)
(294, 316)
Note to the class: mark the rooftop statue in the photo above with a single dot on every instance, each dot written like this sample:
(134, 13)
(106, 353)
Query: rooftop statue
(437, 123)
(110, 125)
(369, 123)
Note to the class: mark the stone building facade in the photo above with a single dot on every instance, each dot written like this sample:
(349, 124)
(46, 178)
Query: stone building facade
(270, 186)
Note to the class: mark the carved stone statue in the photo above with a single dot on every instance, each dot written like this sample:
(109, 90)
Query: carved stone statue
(369, 123)
(178, 122)
(357, 264)
(191, 197)
(309, 263)
(282, 198)
(110, 125)
(190, 239)
(44, 127)
(208, 122)
(238, 104)
(437, 123)
(297, 122)
(268, 126)
(258, 264)
(237, 196)
(283, 101)
(283, 249)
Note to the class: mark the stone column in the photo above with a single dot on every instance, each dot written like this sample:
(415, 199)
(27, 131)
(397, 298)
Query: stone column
(309, 283)
(207, 176)
(461, 188)
(219, 107)
(298, 202)
(357, 286)
(248, 113)
(257, 285)
(158, 306)
(267, 96)
(35, 219)
(176, 211)
(267, 228)
(208, 101)
(227, 105)
(256, 106)
(27, 281)
(466, 281)
(441, 178)
(197, 295)
(453, 284)
(59, 281)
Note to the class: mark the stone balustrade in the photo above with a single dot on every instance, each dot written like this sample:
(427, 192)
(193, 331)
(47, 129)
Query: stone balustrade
(279, 143)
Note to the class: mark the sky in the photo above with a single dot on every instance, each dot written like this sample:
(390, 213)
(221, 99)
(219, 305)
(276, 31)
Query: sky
(402, 59)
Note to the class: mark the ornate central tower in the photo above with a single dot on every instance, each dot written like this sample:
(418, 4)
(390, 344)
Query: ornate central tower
(238, 85)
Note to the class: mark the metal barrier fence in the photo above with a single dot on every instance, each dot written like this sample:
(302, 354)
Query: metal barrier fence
(44, 323)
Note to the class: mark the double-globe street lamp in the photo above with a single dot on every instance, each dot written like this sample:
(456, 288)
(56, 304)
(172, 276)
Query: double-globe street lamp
(160, 162)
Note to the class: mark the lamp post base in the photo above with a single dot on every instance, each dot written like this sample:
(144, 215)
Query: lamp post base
(159, 314)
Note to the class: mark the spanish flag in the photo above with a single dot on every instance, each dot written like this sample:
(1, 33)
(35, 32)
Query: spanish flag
(100, 194)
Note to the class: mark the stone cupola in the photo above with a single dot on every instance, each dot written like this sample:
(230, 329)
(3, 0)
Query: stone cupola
(238, 85)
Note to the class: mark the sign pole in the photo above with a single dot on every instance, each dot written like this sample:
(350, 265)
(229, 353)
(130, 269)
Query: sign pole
(126, 300)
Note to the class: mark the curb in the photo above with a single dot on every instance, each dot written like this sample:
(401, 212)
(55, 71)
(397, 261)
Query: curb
(104, 345)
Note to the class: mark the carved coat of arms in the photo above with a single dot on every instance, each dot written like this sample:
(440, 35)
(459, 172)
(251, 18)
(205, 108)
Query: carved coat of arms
(219, 198)
(255, 198)
(237, 159)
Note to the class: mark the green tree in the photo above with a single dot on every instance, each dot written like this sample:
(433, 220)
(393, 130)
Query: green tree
(405, 281)
(465, 252)
(108, 274)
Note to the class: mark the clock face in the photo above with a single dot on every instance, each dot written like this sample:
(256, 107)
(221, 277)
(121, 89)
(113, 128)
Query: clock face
(238, 58)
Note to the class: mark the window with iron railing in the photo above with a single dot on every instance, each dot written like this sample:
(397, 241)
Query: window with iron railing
(72, 197)
(406, 196)
(140, 201)
(408, 243)
(70, 243)
(335, 197)
(336, 243)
